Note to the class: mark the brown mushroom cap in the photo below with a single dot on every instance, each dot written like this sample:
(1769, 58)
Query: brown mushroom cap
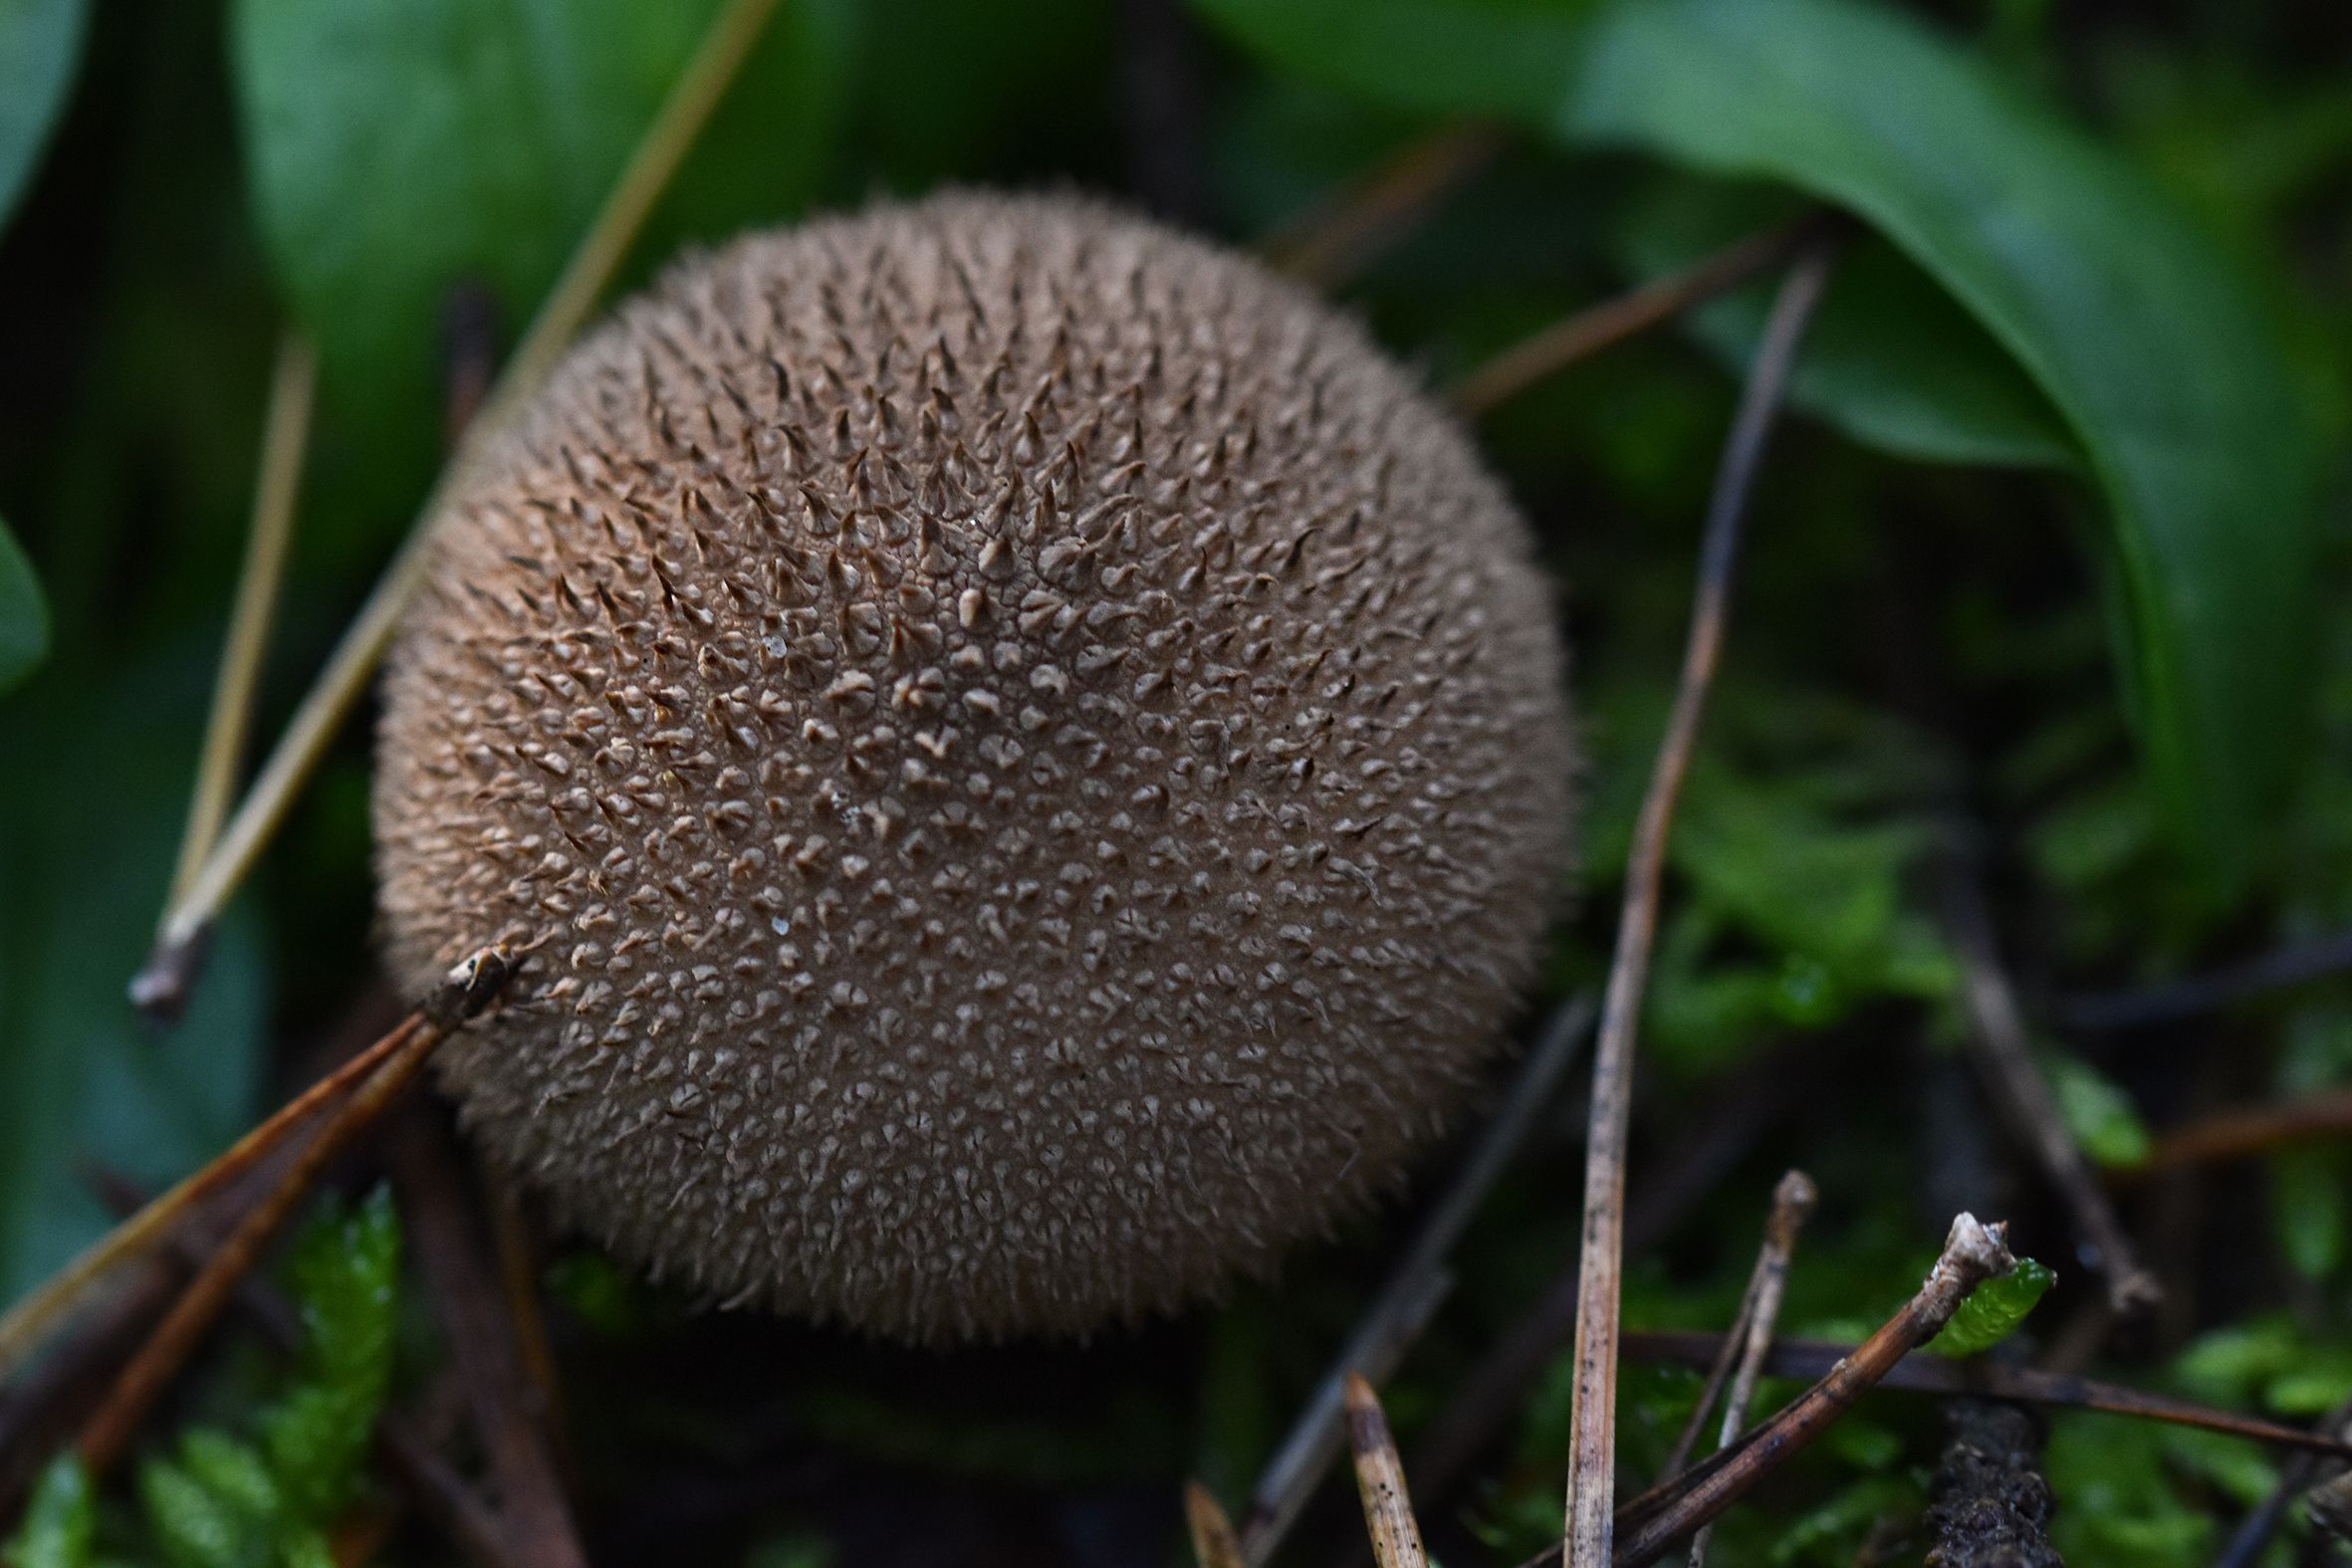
(1031, 763)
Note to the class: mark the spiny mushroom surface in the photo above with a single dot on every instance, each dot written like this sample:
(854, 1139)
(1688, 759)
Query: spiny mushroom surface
(1029, 761)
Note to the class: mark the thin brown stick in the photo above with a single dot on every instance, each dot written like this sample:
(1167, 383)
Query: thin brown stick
(30, 1320)
(1341, 235)
(2252, 1535)
(480, 1334)
(518, 1278)
(2004, 1056)
(1973, 1254)
(1628, 314)
(284, 437)
(1719, 1378)
(718, 59)
(2242, 1134)
(39, 1411)
(163, 981)
(1592, 1461)
(1492, 1392)
(1213, 1541)
(1792, 1201)
(428, 1481)
(469, 988)
(442, 1495)
(1411, 1292)
(2199, 995)
(1943, 1376)
(1380, 1477)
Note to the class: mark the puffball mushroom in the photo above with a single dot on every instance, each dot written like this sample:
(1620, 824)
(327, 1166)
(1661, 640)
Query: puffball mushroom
(1028, 763)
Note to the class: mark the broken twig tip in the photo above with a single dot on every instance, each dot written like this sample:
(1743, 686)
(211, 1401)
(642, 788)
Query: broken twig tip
(163, 986)
(471, 986)
(1213, 1544)
(1980, 1248)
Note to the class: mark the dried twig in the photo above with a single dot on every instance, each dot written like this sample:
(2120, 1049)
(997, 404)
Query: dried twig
(1213, 1542)
(517, 1276)
(1380, 1477)
(1939, 1376)
(284, 437)
(442, 1495)
(2242, 1134)
(162, 983)
(2005, 1059)
(1991, 1508)
(2199, 995)
(1340, 236)
(428, 1481)
(716, 60)
(1628, 314)
(1412, 1290)
(2296, 1478)
(1490, 1393)
(30, 1320)
(1792, 1201)
(480, 1332)
(470, 988)
(1592, 1461)
(38, 1412)
(1973, 1254)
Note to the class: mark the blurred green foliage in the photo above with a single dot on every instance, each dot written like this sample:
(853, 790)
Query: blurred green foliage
(2132, 324)
(266, 1500)
(40, 40)
(2096, 1111)
(2063, 408)
(395, 150)
(24, 617)
(59, 1528)
(1893, 359)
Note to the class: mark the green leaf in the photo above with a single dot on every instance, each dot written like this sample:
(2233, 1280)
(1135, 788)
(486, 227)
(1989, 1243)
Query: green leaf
(40, 44)
(2227, 1366)
(345, 1273)
(2308, 1209)
(1891, 359)
(2116, 1501)
(60, 1522)
(86, 847)
(2314, 1388)
(2099, 1115)
(221, 1501)
(2142, 334)
(399, 152)
(23, 614)
(1832, 1530)
(1993, 1310)
(194, 1526)
(234, 1474)
(305, 1548)
(2234, 1465)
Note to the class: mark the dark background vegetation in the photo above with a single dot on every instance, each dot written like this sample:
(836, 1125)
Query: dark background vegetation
(1917, 643)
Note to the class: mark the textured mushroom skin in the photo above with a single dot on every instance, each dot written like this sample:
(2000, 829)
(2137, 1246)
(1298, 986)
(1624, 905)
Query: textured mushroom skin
(1031, 763)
